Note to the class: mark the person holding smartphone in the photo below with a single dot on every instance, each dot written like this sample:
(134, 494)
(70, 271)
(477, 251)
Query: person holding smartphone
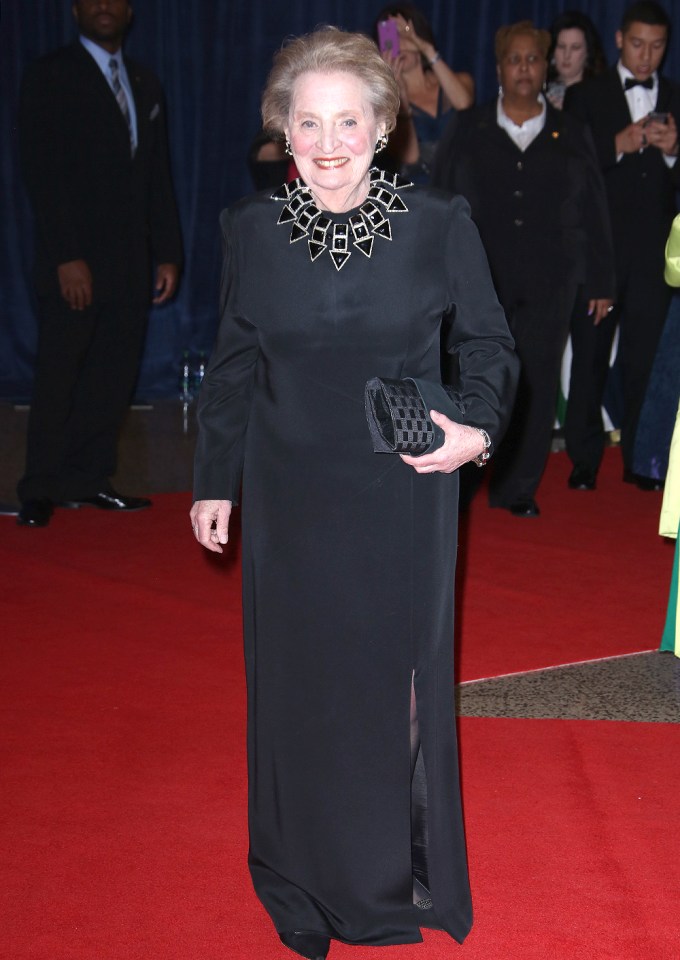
(429, 89)
(575, 54)
(633, 113)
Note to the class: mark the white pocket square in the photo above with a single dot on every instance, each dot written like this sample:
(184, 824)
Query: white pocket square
(154, 113)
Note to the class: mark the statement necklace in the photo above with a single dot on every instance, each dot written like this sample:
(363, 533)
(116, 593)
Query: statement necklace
(371, 219)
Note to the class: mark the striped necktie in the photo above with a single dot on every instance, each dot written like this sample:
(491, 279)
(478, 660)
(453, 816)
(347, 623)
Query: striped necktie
(121, 98)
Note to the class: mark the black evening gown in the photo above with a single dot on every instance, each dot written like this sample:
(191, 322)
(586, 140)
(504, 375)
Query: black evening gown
(348, 555)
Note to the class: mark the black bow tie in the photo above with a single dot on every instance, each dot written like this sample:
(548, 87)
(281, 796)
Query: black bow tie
(632, 82)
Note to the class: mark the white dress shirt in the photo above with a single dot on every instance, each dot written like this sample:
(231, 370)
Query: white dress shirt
(641, 101)
(101, 58)
(521, 135)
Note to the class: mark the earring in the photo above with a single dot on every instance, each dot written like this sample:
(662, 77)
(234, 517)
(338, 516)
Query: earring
(289, 152)
(381, 143)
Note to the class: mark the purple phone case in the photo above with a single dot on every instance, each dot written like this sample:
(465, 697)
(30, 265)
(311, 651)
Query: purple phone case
(388, 37)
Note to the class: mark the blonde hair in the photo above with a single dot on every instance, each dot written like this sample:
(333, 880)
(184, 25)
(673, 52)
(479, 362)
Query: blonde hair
(326, 50)
(523, 28)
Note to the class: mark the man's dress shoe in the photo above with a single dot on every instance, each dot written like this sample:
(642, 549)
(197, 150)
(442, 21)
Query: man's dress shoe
(108, 500)
(524, 508)
(642, 483)
(35, 513)
(582, 478)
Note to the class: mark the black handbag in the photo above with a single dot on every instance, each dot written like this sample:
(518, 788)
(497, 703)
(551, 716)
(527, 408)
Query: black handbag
(398, 414)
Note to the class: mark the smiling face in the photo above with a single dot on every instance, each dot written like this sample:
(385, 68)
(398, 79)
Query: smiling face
(570, 55)
(642, 48)
(103, 21)
(333, 131)
(522, 70)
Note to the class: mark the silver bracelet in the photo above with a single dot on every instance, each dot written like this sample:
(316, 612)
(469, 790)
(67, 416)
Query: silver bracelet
(484, 456)
(437, 56)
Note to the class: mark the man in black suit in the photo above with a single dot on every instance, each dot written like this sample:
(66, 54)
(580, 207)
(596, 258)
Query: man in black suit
(531, 178)
(95, 161)
(634, 115)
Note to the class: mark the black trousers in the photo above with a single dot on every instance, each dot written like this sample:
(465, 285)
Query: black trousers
(85, 374)
(538, 315)
(643, 299)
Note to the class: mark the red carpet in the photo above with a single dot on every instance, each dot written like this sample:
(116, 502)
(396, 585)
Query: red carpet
(589, 578)
(127, 835)
(571, 835)
(123, 773)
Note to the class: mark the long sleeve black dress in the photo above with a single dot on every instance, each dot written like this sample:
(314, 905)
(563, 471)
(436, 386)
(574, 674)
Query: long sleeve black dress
(348, 555)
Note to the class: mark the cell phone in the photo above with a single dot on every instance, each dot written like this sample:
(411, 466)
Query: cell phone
(555, 92)
(388, 37)
(655, 117)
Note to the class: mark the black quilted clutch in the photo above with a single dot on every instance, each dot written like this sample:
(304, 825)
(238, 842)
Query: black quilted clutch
(398, 414)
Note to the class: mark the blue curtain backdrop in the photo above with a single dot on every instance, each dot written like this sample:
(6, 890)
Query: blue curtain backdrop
(213, 57)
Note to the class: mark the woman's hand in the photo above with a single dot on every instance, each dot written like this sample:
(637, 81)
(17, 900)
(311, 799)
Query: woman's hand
(599, 308)
(210, 523)
(458, 88)
(407, 31)
(461, 445)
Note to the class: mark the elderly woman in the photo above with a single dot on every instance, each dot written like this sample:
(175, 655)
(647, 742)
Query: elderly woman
(348, 556)
(531, 177)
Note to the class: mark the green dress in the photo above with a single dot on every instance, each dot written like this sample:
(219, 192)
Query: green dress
(669, 524)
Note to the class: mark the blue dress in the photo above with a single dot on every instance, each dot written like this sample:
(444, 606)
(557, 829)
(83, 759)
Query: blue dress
(655, 427)
(429, 131)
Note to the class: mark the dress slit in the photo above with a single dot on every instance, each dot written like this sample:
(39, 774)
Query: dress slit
(419, 827)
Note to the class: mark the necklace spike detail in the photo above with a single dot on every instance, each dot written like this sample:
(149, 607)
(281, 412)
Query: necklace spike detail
(359, 232)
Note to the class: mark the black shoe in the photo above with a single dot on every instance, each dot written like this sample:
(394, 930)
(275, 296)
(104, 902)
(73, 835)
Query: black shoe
(108, 500)
(524, 508)
(642, 483)
(582, 478)
(35, 513)
(313, 946)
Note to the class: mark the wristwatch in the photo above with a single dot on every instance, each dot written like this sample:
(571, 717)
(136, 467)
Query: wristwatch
(484, 456)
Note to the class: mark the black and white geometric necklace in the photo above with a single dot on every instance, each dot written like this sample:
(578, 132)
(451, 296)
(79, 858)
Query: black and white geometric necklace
(370, 221)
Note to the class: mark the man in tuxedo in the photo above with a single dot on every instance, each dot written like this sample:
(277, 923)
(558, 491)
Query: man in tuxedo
(95, 162)
(634, 115)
